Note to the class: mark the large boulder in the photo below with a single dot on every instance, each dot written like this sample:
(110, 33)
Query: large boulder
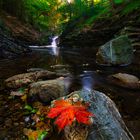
(20, 80)
(125, 80)
(115, 52)
(49, 90)
(107, 123)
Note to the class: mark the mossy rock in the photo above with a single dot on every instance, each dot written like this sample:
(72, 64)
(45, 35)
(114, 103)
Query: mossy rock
(118, 51)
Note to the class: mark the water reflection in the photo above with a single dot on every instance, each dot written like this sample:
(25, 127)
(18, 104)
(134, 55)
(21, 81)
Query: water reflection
(55, 51)
(87, 81)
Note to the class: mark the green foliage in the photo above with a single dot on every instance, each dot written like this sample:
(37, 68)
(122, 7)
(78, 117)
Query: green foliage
(93, 18)
(131, 6)
(29, 110)
(118, 1)
(42, 135)
(53, 15)
(36, 12)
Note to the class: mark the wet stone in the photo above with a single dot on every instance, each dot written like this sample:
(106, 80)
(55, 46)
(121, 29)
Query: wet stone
(16, 124)
(125, 80)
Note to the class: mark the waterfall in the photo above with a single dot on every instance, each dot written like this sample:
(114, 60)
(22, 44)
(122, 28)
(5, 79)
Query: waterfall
(54, 42)
(54, 50)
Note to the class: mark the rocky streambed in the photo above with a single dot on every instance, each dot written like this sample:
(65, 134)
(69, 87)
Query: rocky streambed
(26, 99)
(30, 98)
(31, 84)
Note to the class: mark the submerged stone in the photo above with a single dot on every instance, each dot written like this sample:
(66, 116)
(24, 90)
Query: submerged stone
(125, 80)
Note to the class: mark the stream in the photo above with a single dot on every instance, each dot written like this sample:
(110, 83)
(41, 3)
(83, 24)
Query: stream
(85, 73)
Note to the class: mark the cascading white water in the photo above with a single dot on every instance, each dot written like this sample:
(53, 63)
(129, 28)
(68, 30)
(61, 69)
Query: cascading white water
(53, 46)
(54, 43)
(55, 49)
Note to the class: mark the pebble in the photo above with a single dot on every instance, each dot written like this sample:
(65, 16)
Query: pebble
(6, 106)
(16, 124)
(27, 119)
(22, 123)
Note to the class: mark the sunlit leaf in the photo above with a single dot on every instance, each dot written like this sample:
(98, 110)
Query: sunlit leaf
(42, 135)
(28, 107)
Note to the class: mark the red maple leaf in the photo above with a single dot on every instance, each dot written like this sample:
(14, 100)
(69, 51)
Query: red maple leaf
(66, 113)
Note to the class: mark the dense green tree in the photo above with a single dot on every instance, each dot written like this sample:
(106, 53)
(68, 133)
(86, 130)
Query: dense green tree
(50, 14)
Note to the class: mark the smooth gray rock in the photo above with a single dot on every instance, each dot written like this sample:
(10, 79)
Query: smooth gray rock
(50, 90)
(118, 51)
(34, 69)
(125, 80)
(107, 123)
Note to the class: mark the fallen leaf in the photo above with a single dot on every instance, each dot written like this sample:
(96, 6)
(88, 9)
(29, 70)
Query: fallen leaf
(66, 112)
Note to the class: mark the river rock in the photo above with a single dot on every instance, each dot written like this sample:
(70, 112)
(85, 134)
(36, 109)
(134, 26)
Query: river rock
(125, 80)
(59, 66)
(34, 69)
(50, 89)
(63, 73)
(118, 51)
(107, 123)
(27, 78)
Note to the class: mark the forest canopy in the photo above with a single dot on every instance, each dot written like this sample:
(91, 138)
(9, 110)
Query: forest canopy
(52, 15)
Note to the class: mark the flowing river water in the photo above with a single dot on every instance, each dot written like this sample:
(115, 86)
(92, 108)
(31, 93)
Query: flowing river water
(86, 74)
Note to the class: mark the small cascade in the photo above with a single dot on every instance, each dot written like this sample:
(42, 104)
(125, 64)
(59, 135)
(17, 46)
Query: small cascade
(54, 47)
(54, 42)
(54, 50)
